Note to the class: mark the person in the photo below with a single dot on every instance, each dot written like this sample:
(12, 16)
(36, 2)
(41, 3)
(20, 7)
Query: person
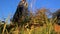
(21, 11)
(23, 3)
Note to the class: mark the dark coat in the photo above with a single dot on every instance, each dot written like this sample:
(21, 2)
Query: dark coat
(22, 8)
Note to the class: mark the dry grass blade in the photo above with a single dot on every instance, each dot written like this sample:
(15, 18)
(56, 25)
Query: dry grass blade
(4, 28)
(7, 31)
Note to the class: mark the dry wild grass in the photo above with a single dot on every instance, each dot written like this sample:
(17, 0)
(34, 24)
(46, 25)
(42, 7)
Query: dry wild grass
(40, 17)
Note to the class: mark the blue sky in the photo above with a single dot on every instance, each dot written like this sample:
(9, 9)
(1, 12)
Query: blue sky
(8, 7)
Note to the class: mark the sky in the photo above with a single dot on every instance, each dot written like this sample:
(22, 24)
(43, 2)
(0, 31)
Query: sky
(8, 7)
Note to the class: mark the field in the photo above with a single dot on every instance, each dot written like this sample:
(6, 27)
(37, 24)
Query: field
(48, 26)
(24, 22)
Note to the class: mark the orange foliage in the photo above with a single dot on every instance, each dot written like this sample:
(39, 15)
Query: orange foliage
(57, 28)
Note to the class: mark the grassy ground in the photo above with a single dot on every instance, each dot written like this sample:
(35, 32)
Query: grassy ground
(49, 26)
(45, 29)
(37, 30)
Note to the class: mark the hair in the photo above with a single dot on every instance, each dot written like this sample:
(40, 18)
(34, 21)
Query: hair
(23, 0)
